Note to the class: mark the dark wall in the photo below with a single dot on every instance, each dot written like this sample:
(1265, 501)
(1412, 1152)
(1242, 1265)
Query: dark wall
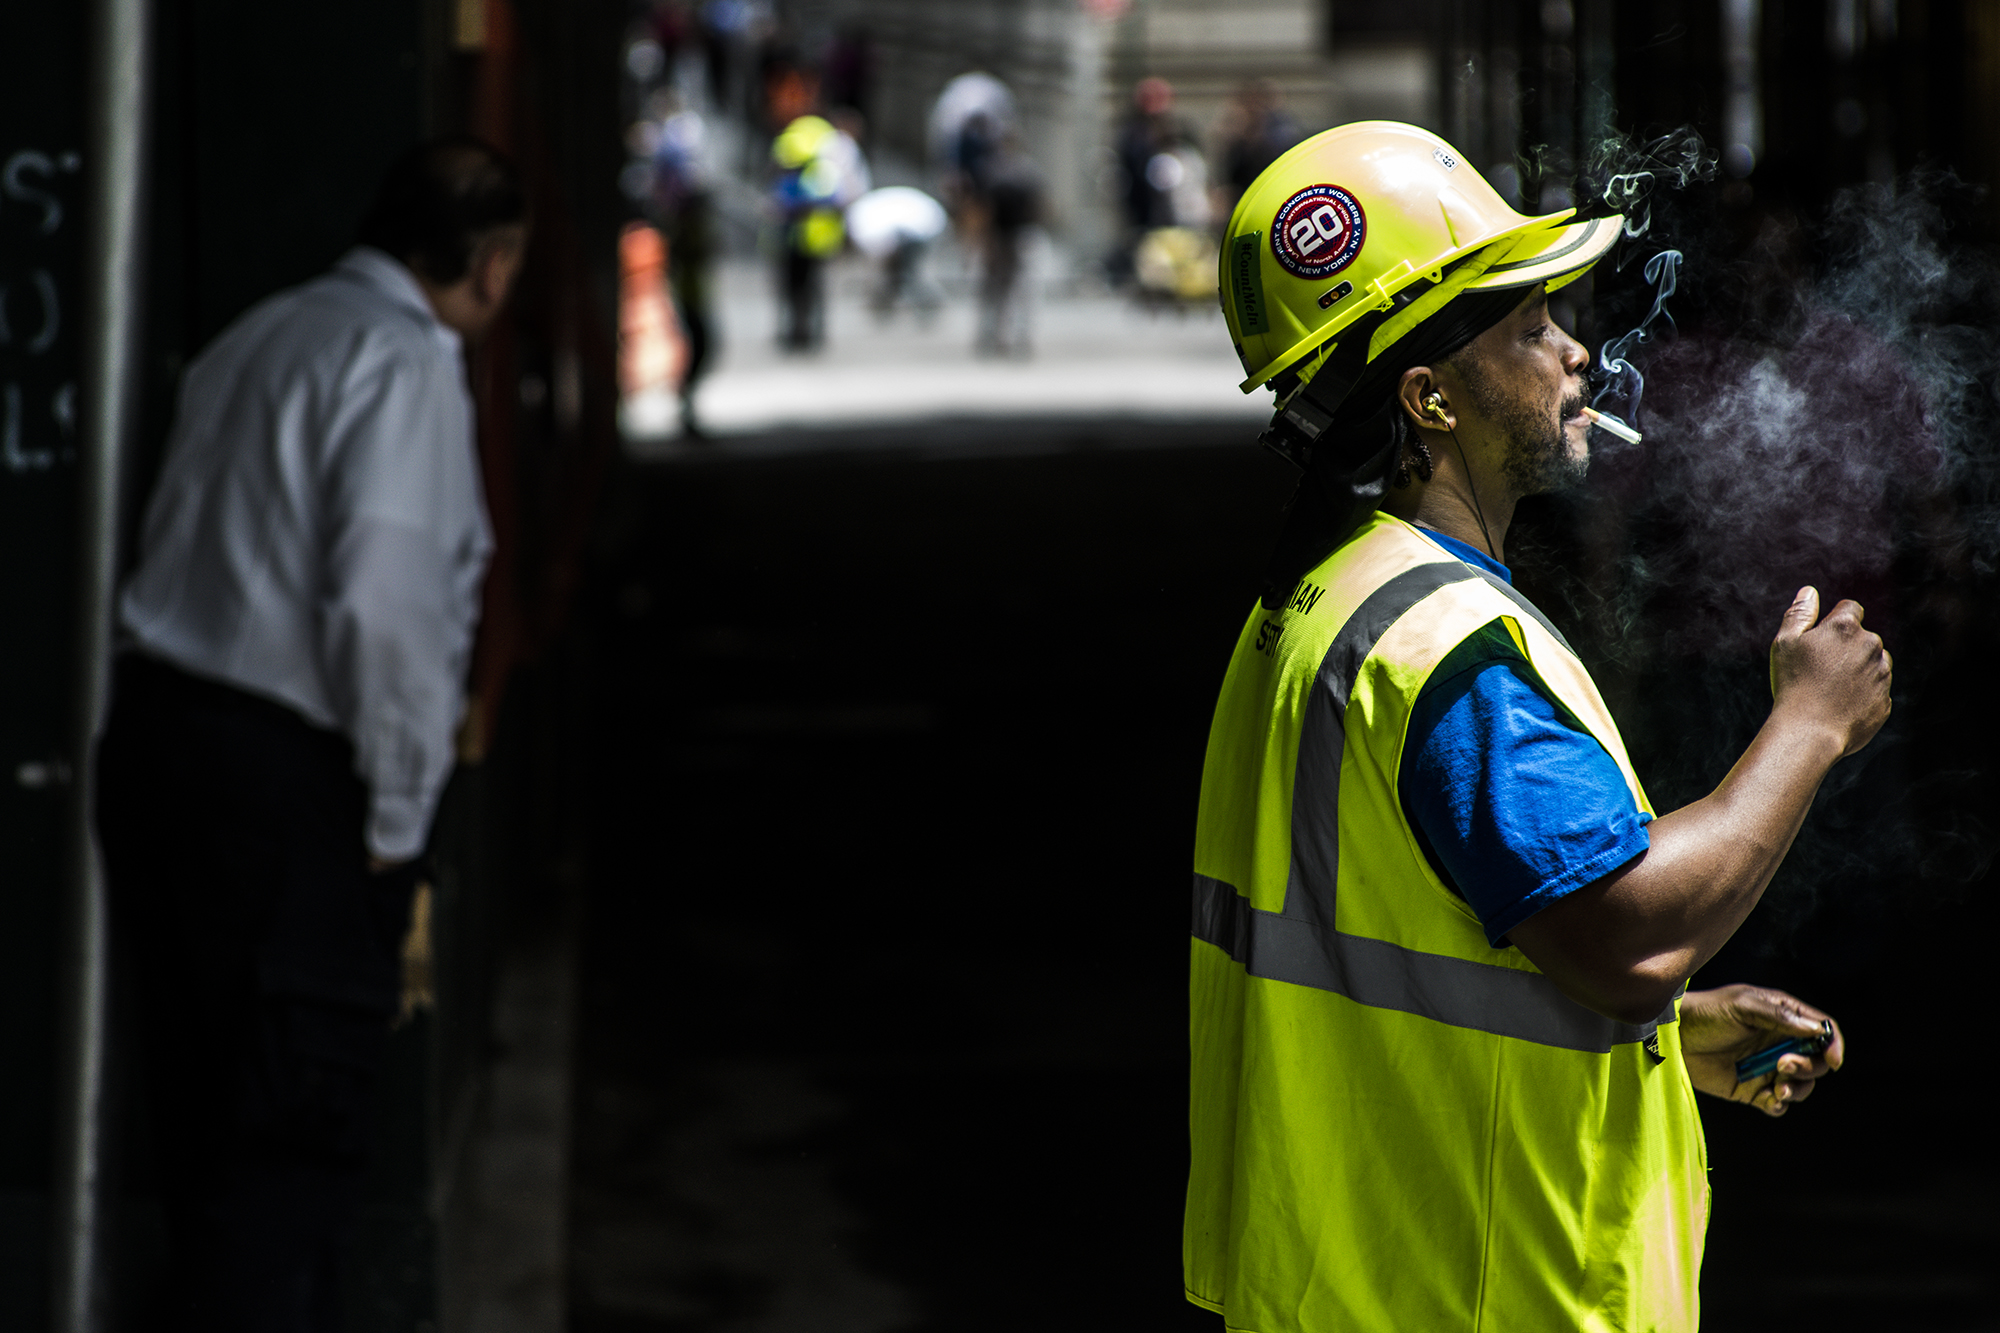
(1904, 86)
(1836, 110)
(271, 127)
(41, 233)
(276, 122)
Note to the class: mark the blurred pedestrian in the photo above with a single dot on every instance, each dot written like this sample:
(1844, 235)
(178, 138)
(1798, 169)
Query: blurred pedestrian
(966, 124)
(1255, 132)
(895, 226)
(790, 87)
(821, 171)
(673, 27)
(973, 150)
(1150, 128)
(725, 37)
(1013, 204)
(849, 65)
(295, 644)
(1157, 157)
(976, 150)
(684, 206)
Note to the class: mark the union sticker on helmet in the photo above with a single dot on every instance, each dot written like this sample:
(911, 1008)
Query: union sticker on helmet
(1318, 231)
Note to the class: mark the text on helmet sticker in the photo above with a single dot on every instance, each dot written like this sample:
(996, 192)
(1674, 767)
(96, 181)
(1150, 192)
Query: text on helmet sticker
(1318, 231)
(1248, 285)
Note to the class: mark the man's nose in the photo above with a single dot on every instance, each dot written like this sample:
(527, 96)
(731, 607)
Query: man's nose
(1574, 356)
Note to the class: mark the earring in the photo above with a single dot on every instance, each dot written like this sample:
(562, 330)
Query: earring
(1424, 466)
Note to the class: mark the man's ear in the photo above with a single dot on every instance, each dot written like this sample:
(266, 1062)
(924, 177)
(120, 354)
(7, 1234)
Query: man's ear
(1422, 399)
(489, 269)
(497, 262)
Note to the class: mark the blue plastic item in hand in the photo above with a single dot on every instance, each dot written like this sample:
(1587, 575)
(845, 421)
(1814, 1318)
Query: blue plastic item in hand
(1766, 1060)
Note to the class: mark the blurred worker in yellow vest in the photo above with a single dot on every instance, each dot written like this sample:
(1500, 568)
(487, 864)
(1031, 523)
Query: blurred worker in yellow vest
(1444, 1053)
(821, 172)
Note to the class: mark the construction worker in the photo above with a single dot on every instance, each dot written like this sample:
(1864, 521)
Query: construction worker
(822, 171)
(1443, 1053)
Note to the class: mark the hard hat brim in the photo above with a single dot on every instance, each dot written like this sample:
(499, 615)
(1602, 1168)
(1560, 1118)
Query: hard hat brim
(1555, 256)
(1543, 250)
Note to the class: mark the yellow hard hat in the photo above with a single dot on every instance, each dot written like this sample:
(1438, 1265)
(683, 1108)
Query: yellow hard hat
(1377, 218)
(800, 142)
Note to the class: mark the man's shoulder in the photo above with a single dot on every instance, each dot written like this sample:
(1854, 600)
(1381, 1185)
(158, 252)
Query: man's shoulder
(1391, 597)
(339, 303)
(1393, 549)
(330, 324)
(1380, 551)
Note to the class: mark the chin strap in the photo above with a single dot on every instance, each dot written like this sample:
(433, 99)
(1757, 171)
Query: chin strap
(1304, 416)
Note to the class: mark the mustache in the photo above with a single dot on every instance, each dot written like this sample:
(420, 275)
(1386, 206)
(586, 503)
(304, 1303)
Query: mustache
(1571, 405)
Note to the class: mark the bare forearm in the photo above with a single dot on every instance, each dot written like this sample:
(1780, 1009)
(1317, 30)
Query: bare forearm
(1710, 862)
(1623, 945)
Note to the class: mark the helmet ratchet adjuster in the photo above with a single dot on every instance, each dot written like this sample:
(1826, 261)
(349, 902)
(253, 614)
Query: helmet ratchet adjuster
(1305, 414)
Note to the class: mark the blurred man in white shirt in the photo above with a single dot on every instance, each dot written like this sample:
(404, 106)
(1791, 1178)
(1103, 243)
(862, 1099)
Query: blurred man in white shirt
(296, 640)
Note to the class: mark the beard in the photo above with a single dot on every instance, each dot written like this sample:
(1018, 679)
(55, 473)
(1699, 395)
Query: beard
(1538, 458)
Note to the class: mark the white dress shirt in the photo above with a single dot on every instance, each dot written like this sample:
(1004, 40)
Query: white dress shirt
(318, 533)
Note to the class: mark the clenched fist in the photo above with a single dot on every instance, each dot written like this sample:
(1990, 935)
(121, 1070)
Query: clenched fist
(1833, 675)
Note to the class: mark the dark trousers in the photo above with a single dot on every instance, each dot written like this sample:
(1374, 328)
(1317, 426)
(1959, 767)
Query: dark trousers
(695, 325)
(1003, 326)
(803, 313)
(261, 959)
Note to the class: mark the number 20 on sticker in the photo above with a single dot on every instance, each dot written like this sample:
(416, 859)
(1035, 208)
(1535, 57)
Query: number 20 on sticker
(1323, 225)
(1318, 231)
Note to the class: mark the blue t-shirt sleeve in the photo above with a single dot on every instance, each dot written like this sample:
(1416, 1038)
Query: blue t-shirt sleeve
(1514, 805)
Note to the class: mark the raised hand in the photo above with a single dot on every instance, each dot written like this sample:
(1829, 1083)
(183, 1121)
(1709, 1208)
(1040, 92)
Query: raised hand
(1833, 675)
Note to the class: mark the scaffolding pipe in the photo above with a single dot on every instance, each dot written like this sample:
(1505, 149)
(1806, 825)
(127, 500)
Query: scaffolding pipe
(114, 163)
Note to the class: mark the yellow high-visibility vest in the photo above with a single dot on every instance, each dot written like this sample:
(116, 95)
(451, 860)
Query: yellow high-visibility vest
(1397, 1127)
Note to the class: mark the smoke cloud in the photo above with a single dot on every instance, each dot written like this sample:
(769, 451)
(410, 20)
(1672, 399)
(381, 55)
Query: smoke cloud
(1826, 415)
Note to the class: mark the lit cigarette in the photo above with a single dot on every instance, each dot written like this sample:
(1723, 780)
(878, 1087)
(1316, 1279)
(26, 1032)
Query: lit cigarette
(1605, 421)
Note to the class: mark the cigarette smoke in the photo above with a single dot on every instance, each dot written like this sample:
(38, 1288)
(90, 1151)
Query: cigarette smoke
(1623, 384)
(1623, 176)
(1825, 414)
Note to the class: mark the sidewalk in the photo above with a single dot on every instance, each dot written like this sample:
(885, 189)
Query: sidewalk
(1094, 355)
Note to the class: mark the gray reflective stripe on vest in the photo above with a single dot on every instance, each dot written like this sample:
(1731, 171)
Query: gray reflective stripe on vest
(1502, 1000)
(1300, 945)
(1514, 595)
(1315, 868)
